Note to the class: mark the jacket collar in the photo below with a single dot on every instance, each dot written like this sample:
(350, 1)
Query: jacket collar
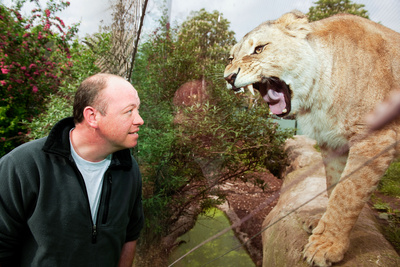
(58, 143)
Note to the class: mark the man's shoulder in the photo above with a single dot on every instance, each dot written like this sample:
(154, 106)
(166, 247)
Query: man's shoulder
(30, 149)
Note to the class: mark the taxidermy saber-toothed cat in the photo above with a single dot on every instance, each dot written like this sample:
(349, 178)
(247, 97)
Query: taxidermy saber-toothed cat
(330, 73)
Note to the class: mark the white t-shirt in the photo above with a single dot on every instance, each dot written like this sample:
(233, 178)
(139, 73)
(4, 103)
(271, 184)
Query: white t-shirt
(93, 174)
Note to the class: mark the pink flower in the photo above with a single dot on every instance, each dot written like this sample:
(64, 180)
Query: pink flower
(35, 89)
(47, 12)
(3, 83)
(32, 66)
(61, 22)
(59, 28)
(23, 68)
(5, 71)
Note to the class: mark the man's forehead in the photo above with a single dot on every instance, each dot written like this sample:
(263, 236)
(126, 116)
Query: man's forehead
(121, 94)
(118, 85)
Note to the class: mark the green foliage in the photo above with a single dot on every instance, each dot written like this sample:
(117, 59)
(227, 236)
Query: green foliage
(390, 182)
(317, 147)
(390, 186)
(215, 140)
(327, 8)
(205, 39)
(392, 233)
(34, 59)
(390, 229)
(382, 206)
(59, 105)
(243, 139)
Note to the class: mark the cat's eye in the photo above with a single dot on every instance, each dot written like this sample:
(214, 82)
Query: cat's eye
(230, 59)
(259, 49)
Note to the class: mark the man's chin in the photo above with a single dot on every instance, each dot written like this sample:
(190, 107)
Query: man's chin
(133, 142)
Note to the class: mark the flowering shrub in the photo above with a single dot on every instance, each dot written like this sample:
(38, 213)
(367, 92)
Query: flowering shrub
(59, 105)
(34, 59)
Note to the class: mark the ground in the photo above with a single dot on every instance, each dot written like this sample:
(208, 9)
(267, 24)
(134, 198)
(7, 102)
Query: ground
(244, 197)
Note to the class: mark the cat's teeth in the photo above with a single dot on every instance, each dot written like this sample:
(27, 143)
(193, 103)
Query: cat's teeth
(251, 89)
(284, 111)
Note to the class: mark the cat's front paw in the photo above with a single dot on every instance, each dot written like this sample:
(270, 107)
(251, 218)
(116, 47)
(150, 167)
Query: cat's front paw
(324, 249)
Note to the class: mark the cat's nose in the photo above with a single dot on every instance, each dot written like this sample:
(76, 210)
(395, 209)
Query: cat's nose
(231, 78)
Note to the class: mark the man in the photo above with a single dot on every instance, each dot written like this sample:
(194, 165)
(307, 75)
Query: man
(74, 197)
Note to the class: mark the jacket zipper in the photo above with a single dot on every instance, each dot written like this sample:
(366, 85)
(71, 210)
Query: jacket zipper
(106, 208)
(107, 200)
(94, 233)
(106, 204)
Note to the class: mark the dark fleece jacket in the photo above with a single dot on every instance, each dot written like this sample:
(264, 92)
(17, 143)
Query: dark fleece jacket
(45, 217)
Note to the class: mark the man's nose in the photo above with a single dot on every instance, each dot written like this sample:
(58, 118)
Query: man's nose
(138, 120)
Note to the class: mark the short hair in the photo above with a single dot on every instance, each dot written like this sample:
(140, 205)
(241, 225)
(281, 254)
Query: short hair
(88, 94)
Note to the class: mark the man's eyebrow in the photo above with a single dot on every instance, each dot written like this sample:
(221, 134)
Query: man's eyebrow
(132, 106)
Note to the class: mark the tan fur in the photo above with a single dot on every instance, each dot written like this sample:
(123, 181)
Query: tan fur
(338, 69)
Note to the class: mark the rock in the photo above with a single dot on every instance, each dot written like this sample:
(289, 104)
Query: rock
(284, 237)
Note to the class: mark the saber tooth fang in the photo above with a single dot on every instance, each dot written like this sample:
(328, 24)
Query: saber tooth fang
(251, 89)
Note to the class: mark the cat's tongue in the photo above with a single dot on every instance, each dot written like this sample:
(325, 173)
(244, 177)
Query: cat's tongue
(276, 101)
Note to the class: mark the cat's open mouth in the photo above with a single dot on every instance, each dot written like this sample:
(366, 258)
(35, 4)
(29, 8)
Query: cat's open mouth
(276, 93)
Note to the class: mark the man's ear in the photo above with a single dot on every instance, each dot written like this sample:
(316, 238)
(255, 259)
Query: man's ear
(90, 115)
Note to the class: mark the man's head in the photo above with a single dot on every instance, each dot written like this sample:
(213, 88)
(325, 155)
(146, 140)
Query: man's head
(88, 95)
(110, 106)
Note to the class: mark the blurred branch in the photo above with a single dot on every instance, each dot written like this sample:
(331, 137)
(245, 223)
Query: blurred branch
(137, 40)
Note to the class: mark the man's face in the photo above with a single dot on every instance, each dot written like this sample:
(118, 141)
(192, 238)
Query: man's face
(119, 126)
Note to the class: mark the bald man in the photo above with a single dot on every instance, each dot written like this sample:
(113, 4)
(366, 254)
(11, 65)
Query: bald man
(74, 198)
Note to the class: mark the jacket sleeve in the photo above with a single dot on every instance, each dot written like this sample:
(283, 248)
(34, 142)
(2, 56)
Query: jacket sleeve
(136, 221)
(14, 202)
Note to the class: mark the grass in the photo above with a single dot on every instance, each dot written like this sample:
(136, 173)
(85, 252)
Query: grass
(390, 183)
(390, 186)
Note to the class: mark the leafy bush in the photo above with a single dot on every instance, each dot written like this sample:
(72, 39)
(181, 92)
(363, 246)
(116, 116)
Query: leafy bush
(390, 182)
(327, 8)
(34, 59)
(184, 160)
(59, 105)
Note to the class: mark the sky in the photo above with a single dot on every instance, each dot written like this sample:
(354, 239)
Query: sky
(244, 15)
